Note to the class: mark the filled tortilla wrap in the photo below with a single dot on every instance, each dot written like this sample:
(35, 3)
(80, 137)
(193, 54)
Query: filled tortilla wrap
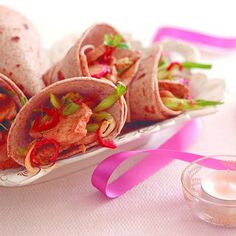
(144, 97)
(11, 101)
(66, 118)
(20, 50)
(101, 52)
(160, 89)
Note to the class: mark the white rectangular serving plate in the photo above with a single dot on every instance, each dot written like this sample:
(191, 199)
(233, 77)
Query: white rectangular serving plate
(130, 141)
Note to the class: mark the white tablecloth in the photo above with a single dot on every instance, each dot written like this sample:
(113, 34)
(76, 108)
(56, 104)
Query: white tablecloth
(71, 206)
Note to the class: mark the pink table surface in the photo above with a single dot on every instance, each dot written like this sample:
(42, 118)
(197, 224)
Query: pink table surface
(71, 206)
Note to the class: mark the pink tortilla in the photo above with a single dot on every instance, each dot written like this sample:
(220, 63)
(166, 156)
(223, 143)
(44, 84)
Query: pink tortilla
(75, 63)
(20, 50)
(86, 86)
(144, 101)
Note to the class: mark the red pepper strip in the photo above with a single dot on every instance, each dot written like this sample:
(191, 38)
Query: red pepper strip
(105, 143)
(39, 144)
(48, 124)
(107, 54)
(172, 64)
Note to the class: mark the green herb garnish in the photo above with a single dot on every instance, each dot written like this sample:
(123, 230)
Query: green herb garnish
(115, 41)
(111, 99)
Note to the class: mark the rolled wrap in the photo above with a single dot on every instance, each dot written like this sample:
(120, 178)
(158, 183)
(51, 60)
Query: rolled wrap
(144, 101)
(85, 86)
(75, 63)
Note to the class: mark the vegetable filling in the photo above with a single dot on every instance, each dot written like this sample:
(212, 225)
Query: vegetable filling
(176, 96)
(70, 122)
(112, 60)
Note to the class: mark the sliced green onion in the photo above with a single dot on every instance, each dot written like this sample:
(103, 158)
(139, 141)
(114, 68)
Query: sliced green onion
(117, 39)
(54, 101)
(70, 97)
(110, 100)
(23, 100)
(93, 127)
(102, 115)
(70, 109)
(191, 65)
(114, 41)
(178, 104)
(120, 89)
(204, 103)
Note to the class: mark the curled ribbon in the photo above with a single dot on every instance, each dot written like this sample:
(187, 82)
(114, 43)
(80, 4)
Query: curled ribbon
(154, 161)
(195, 37)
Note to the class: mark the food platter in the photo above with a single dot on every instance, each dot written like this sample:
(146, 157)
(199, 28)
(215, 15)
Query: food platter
(132, 138)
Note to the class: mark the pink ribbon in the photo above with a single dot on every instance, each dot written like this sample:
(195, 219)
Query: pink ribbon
(154, 161)
(173, 148)
(195, 37)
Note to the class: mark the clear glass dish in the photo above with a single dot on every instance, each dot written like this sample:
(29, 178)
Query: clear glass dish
(204, 206)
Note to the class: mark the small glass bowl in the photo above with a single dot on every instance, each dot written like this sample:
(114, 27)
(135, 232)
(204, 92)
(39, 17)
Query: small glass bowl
(204, 206)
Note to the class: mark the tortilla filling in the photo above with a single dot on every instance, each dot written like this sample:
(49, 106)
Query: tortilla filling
(112, 60)
(69, 122)
(177, 97)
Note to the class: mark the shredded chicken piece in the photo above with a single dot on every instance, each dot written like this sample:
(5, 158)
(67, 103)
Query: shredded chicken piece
(166, 93)
(89, 138)
(70, 129)
(123, 64)
(177, 89)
